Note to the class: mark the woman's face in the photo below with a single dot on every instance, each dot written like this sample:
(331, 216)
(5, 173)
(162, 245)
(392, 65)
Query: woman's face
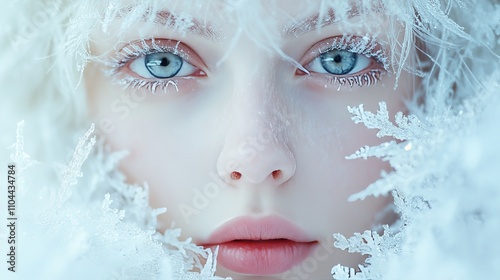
(243, 148)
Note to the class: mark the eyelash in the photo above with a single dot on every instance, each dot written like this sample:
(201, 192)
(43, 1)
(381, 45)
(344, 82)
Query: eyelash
(365, 45)
(359, 45)
(128, 54)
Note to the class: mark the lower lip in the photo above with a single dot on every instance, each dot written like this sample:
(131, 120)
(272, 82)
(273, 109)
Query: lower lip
(263, 257)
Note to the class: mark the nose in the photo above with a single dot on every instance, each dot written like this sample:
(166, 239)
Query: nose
(254, 155)
(255, 151)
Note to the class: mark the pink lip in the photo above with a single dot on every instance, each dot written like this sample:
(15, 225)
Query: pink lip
(261, 246)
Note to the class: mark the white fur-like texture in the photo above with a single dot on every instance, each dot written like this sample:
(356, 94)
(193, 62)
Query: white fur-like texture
(81, 221)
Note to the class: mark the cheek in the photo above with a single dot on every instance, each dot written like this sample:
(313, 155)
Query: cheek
(325, 179)
(169, 155)
(164, 135)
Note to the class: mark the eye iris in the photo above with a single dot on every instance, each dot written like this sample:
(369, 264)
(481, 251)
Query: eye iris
(163, 65)
(338, 62)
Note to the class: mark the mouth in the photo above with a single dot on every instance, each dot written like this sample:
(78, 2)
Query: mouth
(264, 246)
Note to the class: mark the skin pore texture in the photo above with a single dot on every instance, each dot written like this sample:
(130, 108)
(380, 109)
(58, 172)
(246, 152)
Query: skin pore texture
(242, 132)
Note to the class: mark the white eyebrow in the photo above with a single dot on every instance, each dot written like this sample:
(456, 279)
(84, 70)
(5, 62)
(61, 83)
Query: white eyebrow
(314, 22)
(197, 27)
(167, 18)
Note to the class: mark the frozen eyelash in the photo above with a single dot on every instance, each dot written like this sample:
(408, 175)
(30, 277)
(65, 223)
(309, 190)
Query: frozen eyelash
(366, 79)
(133, 51)
(364, 45)
(153, 86)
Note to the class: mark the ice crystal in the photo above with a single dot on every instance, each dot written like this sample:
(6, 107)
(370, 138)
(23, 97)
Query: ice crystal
(442, 189)
(74, 230)
(20, 157)
(72, 171)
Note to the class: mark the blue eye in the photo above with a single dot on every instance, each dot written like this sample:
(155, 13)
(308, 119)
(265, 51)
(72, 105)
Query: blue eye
(161, 65)
(339, 62)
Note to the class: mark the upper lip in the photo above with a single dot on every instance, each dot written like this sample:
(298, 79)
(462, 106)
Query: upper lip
(254, 229)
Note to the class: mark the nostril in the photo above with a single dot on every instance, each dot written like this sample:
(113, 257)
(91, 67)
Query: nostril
(276, 174)
(235, 175)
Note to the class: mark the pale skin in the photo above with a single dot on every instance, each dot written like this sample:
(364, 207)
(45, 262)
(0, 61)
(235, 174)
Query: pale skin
(249, 137)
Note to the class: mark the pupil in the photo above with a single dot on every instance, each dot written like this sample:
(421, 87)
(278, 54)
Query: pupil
(337, 58)
(164, 62)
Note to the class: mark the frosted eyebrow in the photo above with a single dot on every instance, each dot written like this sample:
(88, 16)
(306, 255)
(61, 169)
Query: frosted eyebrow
(165, 18)
(314, 22)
